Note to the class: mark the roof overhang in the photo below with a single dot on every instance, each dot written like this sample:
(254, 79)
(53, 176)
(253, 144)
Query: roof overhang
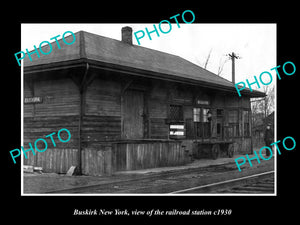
(136, 72)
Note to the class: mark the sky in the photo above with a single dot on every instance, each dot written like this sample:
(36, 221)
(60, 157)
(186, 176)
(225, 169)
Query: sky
(255, 44)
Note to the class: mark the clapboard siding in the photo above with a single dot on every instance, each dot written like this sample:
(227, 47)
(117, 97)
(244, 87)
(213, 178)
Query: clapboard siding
(39, 127)
(50, 122)
(158, 128)
(181, 94)
(103, 98)
(28, 109)
(100, 128)
(60, 97)
(158, 108)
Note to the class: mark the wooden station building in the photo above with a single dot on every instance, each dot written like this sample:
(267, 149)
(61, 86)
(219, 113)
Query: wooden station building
(129, 107)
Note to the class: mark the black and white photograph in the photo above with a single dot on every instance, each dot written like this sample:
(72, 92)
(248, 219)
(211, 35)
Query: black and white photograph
(130, 114)
(130, 109)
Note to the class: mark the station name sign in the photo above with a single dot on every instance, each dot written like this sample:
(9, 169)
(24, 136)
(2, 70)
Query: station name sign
(202, 102)
(32, 100)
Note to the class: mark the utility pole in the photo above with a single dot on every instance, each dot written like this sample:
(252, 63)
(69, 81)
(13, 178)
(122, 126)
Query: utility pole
(233, 56)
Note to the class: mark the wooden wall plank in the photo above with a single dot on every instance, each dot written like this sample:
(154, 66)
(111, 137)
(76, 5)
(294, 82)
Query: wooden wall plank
(39, 127)
(133, 156)
(97, 162)
(158, 128)
(100, 128)
(103, 98)
(60, 97)
(53, 160)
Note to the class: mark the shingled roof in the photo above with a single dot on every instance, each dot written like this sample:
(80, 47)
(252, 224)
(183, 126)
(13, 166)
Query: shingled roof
(111, 52)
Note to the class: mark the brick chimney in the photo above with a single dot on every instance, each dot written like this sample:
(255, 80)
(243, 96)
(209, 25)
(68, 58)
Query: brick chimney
(127, 35)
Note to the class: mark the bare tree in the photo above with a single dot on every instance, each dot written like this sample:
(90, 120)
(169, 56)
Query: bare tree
(200, 62)
(221, 66)
(207, 59)
(269, 104)
(270, 100)
(221, 62)
(263, 106)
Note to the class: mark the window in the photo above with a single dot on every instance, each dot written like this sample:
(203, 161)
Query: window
(196, 114)
(205, 115)
(176, 128)
(201, 117)
(246, 123)
(233, 116)
(233, 122)
(220, 112)
(176, 113)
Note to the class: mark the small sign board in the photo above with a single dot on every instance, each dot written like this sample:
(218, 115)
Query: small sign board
(202, 102)
(32, 100)
(177, 130)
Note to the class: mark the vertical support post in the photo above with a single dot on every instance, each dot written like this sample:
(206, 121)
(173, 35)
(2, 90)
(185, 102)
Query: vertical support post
(233, 68)
(79, 169)
(265, 101)
(82, 89)
(124, 87)
(250, 130)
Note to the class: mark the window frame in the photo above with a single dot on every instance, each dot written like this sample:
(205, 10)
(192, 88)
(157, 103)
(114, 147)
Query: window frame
(234, 125)
(181, 116)
(201, 122)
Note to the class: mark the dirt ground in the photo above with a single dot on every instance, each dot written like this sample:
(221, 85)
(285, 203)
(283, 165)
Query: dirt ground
(39, 183)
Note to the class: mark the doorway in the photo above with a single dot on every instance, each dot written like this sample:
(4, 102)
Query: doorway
(133, 114)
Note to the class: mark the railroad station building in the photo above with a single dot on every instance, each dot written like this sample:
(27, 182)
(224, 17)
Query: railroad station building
(129, 107)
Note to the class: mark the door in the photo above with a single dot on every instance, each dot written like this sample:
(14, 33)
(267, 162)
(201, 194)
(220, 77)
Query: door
(220, 124)
(133, 114)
